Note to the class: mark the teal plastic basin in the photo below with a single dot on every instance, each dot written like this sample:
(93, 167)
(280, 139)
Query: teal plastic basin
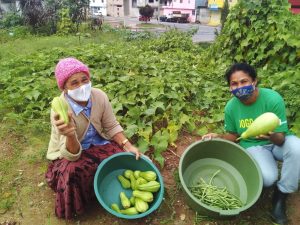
(239, 173)
(107, 186)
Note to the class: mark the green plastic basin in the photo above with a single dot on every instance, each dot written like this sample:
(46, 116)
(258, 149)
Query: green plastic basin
(107, 186)
(239, 173)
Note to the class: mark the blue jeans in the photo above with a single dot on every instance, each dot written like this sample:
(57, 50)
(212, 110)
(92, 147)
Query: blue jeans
(289, 154)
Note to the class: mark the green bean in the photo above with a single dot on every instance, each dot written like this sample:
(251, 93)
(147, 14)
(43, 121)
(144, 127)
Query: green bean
(214, 196)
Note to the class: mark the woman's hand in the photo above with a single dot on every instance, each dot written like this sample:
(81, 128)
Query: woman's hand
(128, 147)
(209, 136)
(274, 137)
(124, 143)
(63, 128)
(264, 136)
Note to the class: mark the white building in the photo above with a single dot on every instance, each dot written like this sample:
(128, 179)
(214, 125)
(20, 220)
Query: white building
(9, 5)
(98, 7)
(120, 8)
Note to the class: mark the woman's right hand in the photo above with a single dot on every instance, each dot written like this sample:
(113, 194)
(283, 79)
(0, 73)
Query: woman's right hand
(63, 128)
(209, 136)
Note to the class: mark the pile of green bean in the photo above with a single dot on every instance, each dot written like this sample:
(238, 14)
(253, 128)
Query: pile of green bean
(214, 196)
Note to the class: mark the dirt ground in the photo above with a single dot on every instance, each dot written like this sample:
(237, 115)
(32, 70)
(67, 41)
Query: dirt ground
(34, 201)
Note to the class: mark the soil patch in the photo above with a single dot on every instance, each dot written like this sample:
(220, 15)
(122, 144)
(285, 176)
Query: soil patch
(34, 200)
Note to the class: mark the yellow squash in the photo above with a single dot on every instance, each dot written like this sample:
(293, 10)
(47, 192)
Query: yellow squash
(60, 106)
(265, 123)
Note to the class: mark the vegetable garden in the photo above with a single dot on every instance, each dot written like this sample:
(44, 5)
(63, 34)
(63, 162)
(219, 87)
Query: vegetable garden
(159, 87)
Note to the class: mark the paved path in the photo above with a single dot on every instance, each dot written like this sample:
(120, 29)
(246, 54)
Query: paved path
(205, 33)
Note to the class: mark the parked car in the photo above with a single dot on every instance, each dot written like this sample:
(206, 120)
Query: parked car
(175, 17)
(99, 13)
(163, 18)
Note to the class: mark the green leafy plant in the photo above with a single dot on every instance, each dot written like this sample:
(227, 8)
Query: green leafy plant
(146, 11)
(65, 25)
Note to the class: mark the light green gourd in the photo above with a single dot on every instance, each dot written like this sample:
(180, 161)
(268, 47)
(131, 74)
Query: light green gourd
(151, 186)
(129, 211)
(265, 123)
(124, 200)
(60, 106)
(115, 207)
(148, 175)
(140, 205)
(124, 182)
(144, 195)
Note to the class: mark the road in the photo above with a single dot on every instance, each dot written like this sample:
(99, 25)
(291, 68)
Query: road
(204, 33)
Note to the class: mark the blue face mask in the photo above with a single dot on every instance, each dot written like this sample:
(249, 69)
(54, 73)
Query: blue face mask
(243, 93)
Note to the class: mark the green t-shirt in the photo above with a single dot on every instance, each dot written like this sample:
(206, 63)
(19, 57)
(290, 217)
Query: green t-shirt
(239, 116)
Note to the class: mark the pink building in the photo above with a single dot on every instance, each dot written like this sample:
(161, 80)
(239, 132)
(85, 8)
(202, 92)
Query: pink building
(170, 7)
(295, 6)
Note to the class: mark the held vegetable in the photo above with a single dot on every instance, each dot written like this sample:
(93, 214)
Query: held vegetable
(124, 200)
(263, 124)
(60, 106)
(124, 182)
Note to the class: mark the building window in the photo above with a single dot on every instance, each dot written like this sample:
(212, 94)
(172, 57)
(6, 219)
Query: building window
(151, 1)
(193, 12)
(181, 1)
(134, 3)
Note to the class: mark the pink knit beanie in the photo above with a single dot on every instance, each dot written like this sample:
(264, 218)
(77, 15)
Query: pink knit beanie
(65, 68)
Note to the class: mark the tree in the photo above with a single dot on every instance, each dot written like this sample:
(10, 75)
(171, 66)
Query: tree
(52, 10)
(224, 13)
(32, 11)
(78, 10)
(41, 15)
(146, 12)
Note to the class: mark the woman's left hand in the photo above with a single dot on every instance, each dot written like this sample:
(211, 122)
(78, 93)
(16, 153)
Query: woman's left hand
(276, 138)
(264, 136)
(131, 148)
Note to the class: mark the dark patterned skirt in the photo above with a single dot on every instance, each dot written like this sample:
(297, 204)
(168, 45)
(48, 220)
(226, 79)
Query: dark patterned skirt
(73, 182)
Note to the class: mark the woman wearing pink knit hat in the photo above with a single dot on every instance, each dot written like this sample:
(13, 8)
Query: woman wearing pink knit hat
(76, 149)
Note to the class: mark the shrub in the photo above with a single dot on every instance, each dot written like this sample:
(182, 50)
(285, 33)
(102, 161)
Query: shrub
(146, 11)
(11, 20)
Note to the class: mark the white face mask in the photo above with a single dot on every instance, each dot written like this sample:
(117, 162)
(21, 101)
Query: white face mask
(82, 93)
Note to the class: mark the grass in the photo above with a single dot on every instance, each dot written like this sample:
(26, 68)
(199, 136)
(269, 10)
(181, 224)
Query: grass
(150, 25)
(13, 142)
(32, 44)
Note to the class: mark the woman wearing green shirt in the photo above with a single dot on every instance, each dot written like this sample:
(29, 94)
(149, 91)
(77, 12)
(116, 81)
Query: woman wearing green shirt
(248, 103)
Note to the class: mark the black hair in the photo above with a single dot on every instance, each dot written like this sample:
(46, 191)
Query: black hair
(246, 68)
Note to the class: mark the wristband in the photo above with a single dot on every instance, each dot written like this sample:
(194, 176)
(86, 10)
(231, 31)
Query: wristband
(124, 143)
